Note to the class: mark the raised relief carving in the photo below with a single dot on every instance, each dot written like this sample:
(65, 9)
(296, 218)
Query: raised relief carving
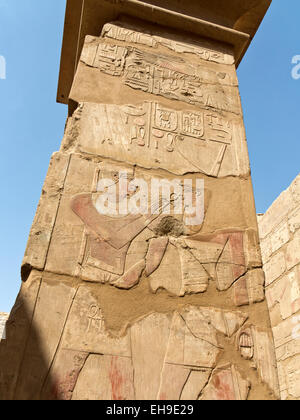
(219, 258)
(257, 345)
(250, 288)
(246, 345)
(108, 237)
(96, 319)
(177, 364)
(119, 249)
(121, 31)
(155, 136)
(167, 76)
(111, 59)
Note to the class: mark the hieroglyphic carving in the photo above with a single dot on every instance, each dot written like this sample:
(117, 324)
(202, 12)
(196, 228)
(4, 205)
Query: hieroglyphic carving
(257, 345)
(121, 31)
(177, 364)
(246, 345)
(111, 59)
(199, 141)
(96, 319)
(167, 76)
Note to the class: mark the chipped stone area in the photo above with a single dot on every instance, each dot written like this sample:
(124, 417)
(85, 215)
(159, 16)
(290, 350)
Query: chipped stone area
(280, 244)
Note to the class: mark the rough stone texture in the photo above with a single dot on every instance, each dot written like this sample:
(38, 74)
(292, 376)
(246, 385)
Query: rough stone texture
(146, 305)
(280, 244)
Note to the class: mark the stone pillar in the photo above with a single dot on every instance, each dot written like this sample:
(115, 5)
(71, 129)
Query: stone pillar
(155, 296)
(280, 244)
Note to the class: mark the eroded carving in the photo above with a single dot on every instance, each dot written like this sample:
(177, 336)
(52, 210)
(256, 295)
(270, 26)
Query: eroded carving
(250, 288)
(167, 76)
(121, 249)
(226, 384)
(125, 32)
(155, 136)
(246, 344)
(173, 356)
(218, 258)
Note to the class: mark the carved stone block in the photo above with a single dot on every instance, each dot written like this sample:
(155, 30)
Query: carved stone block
(152, 135)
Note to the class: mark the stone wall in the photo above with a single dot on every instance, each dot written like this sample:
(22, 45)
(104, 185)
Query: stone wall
(280, 243)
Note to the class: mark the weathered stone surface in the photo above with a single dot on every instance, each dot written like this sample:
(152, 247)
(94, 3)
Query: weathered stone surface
(246, 344)
(85, 330)
(219, 257)
(185, 345)
(43, 224)
(280, 237)
(195, 383)
(250, 288)
(149, 355)
(126, 61)
(130, 293)
(153, 72)
(18, 328)
(281, 250)
(295, 189)
(276, 213)
(275, 267)
(226, 384)
(266, 249)
(257, 345)
(293, 252)
(54, 298)
(294, 220)
(287, 342)
(290, 378)
(252, 249)
(153, 135)
(63, 375)
(265, 360)
(123, 31)
(291, 348)
(105, 378)
(286, 331)
(286, 293)
(156, 252)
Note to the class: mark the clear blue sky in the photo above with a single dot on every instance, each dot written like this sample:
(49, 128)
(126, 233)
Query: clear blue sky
(32, 124)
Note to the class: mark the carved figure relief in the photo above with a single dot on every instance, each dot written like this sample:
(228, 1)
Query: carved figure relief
(119, 249)
(180, 364)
